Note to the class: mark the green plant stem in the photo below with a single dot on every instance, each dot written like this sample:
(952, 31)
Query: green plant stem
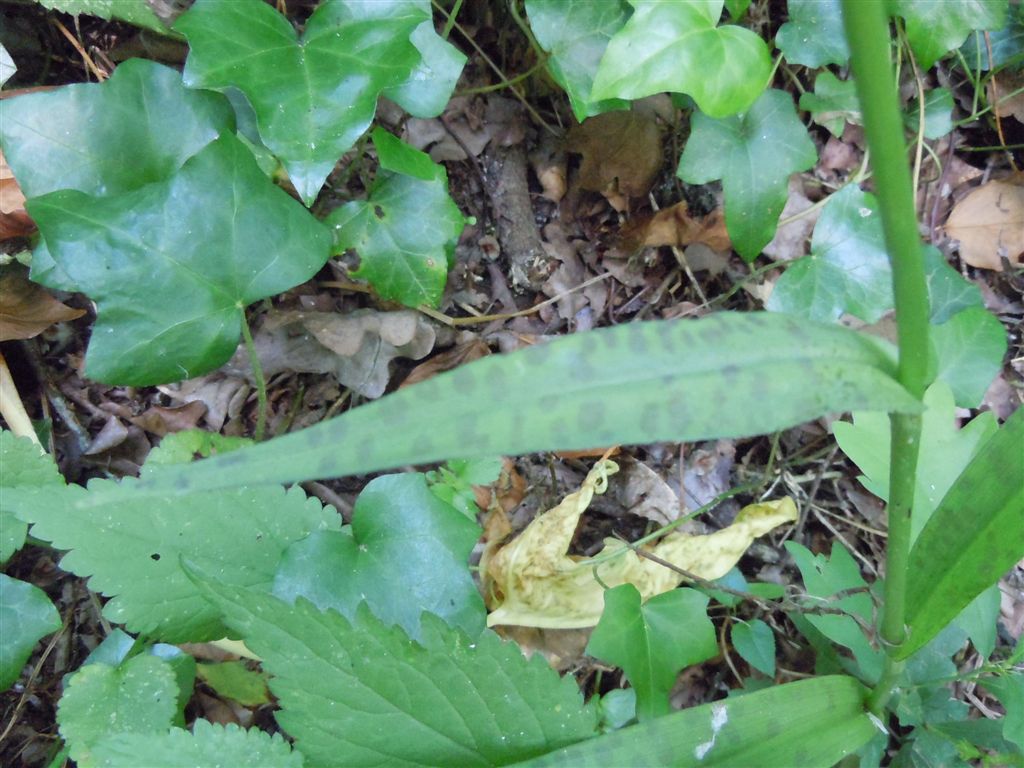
(867, 30)
(257, 374)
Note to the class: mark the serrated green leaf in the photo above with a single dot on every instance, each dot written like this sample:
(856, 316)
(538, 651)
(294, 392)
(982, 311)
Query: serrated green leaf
(973, 537)
(634, 383)
(27, 615)
(654, 641)
(404, 233)
(138, 127)
(833, 103)
(576, 33)
(755, 642)
(315, 95)
(824, 577)
(969, 349)
(944, 452)
(233, 680)
(138, 696)
(812, 722)
(359, 693)
(679, 47)
(754, 155)
(932, 35)
(208, 744)
(132, 550)
(189, 254)
(24, 466)
(814, 35)
(848, 268)
(406, 552)
(938, 114)
(137, 12)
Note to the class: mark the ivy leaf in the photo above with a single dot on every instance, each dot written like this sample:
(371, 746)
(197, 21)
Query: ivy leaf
(932, 35)
(948, 292)
(137, 12)
(969, 347)
(754, 155)
(755, 642)
(678, 47)
(848, 267)
(406, 552)
(314, 96)
(358, 693)
(207, 744)
(138, 127)
(27, 615)
(814, 34)
(427, 89)
(938, 114)
(138, 696)
(576, 33)
(944, 452)
(239, 534)
(23, 467)
(405, 232)
(833, 103)
(653, 641)
(188, 253)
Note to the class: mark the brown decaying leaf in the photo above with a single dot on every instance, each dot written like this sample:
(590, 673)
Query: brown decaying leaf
(160, 420)
(466, 352)
(621, 153)
(26, 309)
(999, 89)
(675, 226)
(14, 219)
(989, 223)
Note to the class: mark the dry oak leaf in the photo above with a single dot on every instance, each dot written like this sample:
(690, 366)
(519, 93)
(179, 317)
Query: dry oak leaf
(26, 309)
(531, 581)
(989, 223)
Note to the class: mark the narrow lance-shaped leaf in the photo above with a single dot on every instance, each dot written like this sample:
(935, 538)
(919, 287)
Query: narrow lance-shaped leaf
(724, 375)
(973, 537)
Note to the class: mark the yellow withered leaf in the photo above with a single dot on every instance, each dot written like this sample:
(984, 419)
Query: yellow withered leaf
(532, 582)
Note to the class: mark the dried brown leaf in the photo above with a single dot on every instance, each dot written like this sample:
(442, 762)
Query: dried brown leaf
(675, 226)
(621, 153)
(26, 309)
(989, 223)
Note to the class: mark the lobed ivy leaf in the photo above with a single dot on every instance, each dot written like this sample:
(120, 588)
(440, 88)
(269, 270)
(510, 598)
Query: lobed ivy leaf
(137, 12)
(679, 47)
(949, 293)
(848, 268)
(172, 265)
(754, 155)
(969, 348)
(833, 103)
(932, 35)
(576, 33)
(814, 34)
(23, 467)
(207, 744)
(315, 95)
(406, 230)
(240, 535)
(358, 693)
(654, 641)
(27, 615)
(406, 552)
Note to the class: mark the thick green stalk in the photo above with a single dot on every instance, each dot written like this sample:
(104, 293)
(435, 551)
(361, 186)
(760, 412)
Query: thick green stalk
(867, 30)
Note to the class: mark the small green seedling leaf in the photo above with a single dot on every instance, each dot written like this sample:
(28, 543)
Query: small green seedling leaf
(654, 641)
(576, 33)
(833, 103)
(137, 12)
(359, 692)
(972, 538)
(313, 96)
(944, 452)
(679, 47)
(969, 347)
(754, 155)
(755, 642)
(634, 383)
(24, 466)
(812, 722)
(27, 615)
(207, 744)
(138, 696)
(182, 447)
(138, 127)
(239, 534)
(848, 267)
(932, 35)
(189, 254)
(813, 36)
(453, 483)
(406, 552)
(405, 232)
(233, 680)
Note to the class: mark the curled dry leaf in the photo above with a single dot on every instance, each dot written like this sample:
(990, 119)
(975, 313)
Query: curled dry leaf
(989, 223)
(14, 219)
(466, 352)
(621, 154)
(26, 309)
(531, 581)
(675, 226)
